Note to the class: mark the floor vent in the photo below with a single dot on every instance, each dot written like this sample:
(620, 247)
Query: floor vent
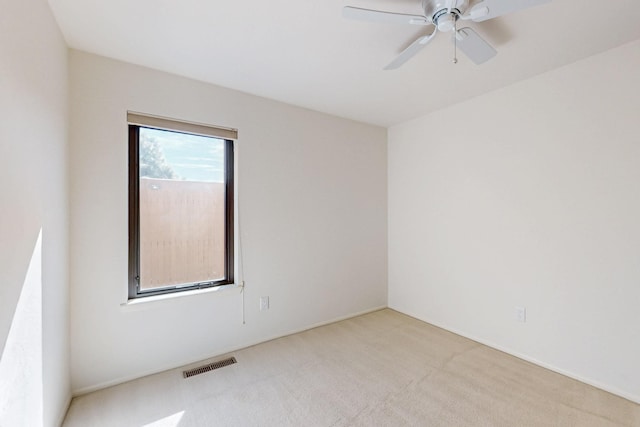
(209, 367)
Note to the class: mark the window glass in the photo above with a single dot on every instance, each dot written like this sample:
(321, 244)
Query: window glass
(183, 220)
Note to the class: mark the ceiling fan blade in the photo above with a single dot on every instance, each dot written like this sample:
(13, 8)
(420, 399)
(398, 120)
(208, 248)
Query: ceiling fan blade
(410, 52)
(474, 46)
(370, 15)
(487, 9)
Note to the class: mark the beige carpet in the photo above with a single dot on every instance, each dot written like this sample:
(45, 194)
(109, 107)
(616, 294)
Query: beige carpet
(380, 369)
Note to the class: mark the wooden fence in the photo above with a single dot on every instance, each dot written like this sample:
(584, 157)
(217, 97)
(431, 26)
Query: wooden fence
(174, 218)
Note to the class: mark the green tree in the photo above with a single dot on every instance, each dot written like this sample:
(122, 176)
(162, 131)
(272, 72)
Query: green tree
(152, 161)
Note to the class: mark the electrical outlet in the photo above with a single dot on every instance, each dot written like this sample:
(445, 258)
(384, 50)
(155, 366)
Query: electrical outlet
(264, 303)
(521, 314)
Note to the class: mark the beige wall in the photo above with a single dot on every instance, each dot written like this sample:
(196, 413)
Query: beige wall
(312, 209)
(34, 328)
(528, 196)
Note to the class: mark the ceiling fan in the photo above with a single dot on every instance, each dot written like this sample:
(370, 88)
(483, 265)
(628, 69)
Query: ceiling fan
(443, 15)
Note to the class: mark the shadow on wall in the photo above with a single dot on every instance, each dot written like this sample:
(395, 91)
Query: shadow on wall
(21, 387)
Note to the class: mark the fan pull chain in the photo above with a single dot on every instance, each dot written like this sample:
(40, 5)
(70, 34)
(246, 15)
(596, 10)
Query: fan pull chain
(455, 40)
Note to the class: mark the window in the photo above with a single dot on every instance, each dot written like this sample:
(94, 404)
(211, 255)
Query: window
(180, 206)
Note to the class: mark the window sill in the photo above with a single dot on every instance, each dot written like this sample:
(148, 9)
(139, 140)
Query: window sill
(147, 302)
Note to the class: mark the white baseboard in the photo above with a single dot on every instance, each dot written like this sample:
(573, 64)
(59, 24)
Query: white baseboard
(605, 387)
(63, 415)
(100, 386)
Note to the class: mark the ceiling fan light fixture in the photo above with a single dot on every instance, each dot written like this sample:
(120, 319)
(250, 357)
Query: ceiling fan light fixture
(446, 22)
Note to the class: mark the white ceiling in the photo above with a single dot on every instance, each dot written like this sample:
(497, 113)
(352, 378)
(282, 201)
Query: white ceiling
(304, 53)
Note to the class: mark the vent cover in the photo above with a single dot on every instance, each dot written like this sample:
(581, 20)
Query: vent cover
(209, 367)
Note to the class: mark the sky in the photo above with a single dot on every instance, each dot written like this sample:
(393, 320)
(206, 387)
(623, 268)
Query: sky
(192, 157)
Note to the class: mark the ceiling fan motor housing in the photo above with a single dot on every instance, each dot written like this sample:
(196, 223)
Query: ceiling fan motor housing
(438, 11)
